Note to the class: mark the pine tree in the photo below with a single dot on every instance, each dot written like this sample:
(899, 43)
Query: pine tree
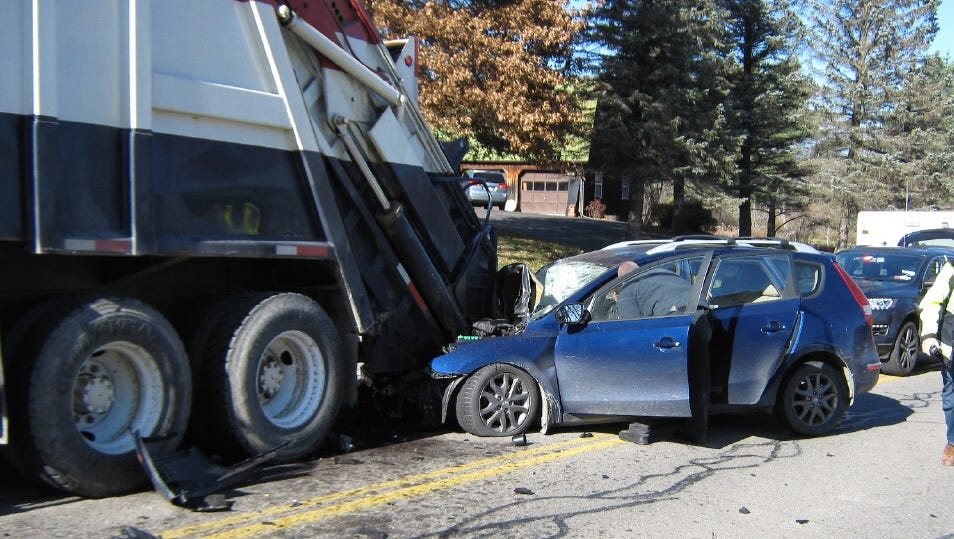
(768, 100)
(661, 114)
(869, 52)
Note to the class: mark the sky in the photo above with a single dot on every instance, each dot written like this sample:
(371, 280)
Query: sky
(944, 41)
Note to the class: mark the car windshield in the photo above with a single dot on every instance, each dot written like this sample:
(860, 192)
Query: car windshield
(562, 279)
(873, 266)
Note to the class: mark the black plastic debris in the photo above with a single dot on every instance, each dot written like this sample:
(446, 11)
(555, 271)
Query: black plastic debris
(188, 478)
(802, 520)
(744, 510)
(586, 435)
(523, 490)
(519, 439)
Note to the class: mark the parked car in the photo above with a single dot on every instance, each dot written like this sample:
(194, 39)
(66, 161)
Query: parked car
(482, 186)
(581, 359)
(936, 237)
(895, 279)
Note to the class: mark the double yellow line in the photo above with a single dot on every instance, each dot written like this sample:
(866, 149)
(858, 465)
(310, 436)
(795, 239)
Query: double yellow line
(289, 516)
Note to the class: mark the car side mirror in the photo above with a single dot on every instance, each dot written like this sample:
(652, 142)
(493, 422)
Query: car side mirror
(573, 314)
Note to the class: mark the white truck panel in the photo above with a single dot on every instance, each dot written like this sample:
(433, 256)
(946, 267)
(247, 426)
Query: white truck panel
(888, 227)
(15, 80)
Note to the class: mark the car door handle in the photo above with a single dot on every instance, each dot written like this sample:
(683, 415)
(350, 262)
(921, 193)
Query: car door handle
(773, 327)
(666, 343)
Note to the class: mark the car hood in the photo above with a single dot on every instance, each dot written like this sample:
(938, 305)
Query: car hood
(887, 289)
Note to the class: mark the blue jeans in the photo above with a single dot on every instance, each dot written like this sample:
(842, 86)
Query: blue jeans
(947, 398)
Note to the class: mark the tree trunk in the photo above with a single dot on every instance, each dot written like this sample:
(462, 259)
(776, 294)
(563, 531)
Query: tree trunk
(634, 229)
(679, 224)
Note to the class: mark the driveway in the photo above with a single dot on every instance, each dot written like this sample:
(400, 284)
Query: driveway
(582, 232)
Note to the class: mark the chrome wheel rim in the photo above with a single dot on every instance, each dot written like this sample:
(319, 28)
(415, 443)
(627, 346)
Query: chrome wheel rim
(290, 379)
(505, 403)
(815, 401)
(117, 390)
(907, 348)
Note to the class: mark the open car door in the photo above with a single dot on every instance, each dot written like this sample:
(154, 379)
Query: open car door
(627, 362)
(755, 307)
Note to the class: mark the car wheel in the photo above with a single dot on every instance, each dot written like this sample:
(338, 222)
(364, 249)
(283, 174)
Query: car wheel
(498, 400)
(812, 399)
(904, 355)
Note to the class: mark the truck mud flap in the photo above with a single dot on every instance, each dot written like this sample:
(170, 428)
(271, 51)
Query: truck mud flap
(188, 478)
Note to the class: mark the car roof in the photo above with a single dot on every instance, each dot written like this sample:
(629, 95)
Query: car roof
(614, 255)
(706, 239)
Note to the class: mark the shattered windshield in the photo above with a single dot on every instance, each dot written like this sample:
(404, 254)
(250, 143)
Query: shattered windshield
(562, 279)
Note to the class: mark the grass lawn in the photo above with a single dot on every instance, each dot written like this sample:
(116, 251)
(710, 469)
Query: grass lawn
(535, 253)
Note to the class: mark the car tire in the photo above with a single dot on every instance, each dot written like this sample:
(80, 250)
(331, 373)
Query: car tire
(498, 400)
(812, 399)
(904, 353)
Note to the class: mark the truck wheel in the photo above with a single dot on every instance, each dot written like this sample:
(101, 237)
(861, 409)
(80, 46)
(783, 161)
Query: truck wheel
(904, 354)
(276, 375)
(812, 399)
(93, 373)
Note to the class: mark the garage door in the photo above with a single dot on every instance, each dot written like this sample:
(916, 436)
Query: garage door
(545, 192)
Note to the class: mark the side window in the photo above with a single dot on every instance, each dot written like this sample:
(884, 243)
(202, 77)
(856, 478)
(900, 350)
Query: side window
(742, 280)
(658, 291)
(807, 278)
(934, 267)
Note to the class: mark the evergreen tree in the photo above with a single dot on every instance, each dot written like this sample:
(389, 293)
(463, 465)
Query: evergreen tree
(768, 100)
(661, 114)
(869, 53)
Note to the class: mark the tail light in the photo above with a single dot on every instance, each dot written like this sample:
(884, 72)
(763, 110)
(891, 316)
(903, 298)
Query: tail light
(502, 185)
(855, 292)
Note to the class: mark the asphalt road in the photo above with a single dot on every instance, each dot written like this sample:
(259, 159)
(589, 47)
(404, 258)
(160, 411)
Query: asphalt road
(878, 475)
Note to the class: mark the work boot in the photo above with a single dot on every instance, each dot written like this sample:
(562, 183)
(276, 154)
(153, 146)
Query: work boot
(947, 457)
(637, 433)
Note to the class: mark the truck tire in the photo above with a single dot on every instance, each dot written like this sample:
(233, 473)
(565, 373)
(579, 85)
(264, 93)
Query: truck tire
(88, 374)
(275, 373)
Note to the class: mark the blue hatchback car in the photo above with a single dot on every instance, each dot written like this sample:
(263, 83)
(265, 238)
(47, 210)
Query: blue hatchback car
(739, 328)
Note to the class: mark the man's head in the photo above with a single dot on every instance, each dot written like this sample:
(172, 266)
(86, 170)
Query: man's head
(626, 267)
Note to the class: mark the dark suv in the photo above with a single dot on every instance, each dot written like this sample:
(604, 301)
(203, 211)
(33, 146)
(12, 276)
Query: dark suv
(895, 279)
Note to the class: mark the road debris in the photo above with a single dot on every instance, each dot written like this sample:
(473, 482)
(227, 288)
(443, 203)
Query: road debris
(188, 478)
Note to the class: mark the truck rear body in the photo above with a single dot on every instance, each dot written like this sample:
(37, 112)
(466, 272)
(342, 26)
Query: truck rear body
(182, 153)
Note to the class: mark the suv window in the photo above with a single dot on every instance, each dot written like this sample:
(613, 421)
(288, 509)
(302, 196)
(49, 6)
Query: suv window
(807, 278)
(743, 280)
(661, 290)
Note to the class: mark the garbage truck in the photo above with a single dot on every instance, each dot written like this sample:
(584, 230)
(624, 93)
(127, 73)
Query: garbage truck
(217, 217)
